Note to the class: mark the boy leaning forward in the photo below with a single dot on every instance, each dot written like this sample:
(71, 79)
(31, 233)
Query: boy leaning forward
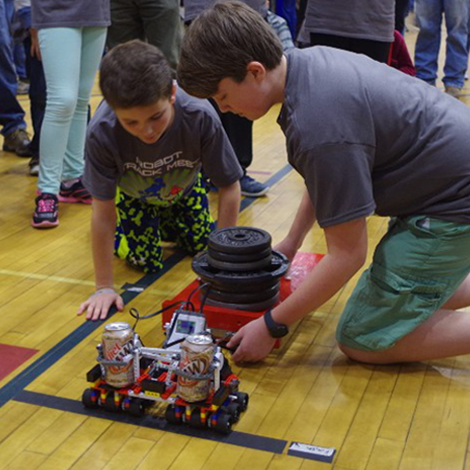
(366, 139)
(146, 146)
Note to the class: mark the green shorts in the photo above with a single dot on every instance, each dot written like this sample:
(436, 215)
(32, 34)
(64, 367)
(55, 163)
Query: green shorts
(417, 266)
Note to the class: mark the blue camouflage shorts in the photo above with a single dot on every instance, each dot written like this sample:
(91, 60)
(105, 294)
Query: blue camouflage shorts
(141, 227)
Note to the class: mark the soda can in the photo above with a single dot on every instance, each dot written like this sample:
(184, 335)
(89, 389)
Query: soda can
(117, 343)
(197, 354)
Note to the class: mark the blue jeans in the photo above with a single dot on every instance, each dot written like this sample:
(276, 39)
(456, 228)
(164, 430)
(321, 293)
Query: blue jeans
(11, 113)
(429, 16)
(19, 58)
(70, 57)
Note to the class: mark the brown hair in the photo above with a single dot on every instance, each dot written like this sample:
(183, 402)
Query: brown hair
(220, 43)
(135, 74)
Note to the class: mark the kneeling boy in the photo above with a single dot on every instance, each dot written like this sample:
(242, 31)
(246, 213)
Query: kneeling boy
(366, 139)
(146, 145)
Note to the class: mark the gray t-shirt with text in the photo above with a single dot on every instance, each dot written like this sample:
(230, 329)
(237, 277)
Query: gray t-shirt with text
(367, 138)
(163, 172)
(361, 19)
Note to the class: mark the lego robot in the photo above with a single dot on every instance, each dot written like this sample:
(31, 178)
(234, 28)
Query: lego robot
(155, 373)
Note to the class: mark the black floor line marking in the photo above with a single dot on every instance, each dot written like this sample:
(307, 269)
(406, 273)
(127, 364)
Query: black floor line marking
(242, 439)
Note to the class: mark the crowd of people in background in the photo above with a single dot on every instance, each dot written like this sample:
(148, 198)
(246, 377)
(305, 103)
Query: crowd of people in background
(53, 54)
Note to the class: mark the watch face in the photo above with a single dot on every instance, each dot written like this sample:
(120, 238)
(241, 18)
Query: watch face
(281, 330)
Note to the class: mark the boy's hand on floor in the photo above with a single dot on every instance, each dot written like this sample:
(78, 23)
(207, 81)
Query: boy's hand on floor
(252, 342)
(99, 303)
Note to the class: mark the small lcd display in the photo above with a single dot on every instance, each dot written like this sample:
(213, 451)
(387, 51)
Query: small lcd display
(185, 327)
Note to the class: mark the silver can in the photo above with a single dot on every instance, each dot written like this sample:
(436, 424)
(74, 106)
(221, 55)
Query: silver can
(117, 343)
(197, 354)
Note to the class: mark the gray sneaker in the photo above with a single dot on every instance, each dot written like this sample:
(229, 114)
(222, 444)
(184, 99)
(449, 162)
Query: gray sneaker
(18, 142)
(252, 188)
(34, 166)
(22, 87)
(454, 91)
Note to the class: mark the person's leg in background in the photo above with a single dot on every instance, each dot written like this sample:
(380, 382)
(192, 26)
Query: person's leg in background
(126, 23)
(402, 7)
(69, 72)
(92, 46)
(37, 96)
(162, 26)
(240, 133)
(456, 14)
(11, 114)
(429, 18)
(19, 58)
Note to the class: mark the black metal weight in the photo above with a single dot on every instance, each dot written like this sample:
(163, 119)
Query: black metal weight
(239, 240)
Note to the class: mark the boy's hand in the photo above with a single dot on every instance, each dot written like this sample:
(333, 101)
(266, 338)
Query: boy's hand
(252, 342)
(287, 248)
(99, 303)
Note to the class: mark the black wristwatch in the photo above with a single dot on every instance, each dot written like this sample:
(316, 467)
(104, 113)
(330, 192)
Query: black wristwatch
(276, 330)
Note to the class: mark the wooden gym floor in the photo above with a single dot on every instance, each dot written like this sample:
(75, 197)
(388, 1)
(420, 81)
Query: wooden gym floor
(406, 417)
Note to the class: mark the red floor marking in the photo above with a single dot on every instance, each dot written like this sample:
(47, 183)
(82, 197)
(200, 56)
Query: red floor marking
(11, 357)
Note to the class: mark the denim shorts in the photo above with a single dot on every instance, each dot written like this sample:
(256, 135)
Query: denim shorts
(417, 266)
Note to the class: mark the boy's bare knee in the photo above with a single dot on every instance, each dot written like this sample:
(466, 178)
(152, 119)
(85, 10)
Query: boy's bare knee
(369, 357)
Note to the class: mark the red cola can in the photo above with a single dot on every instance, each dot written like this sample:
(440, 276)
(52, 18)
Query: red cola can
(197, 354)
(117, 343)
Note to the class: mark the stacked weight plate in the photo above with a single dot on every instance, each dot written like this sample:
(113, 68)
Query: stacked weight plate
(240, 271)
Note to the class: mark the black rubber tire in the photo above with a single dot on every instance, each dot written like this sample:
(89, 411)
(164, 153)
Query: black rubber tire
(239, 240)
(243, 400)
(170, 415)
(87, 398)
(136, 407)
(195, 419)
(109, 403)
(234, 410)
(224, 423)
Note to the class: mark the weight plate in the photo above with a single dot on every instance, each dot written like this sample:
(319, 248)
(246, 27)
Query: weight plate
(240, 267)
(242, 280)
(240, 297)
(246, 287)
(237, 257)
(254, 307)
(241, 240)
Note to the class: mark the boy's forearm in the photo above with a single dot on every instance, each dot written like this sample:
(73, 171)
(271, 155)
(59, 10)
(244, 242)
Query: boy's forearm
(103, 226)
(229, 205)
(346, 254)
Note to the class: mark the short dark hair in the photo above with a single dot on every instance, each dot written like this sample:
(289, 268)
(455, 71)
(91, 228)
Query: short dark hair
(220, 43)
(135, 74)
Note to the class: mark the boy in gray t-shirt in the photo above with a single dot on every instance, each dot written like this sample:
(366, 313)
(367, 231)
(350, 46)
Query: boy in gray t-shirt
(146, 146)
(366, 139)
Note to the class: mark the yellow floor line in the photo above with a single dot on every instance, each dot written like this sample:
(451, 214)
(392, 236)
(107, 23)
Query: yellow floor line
(44, 277)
